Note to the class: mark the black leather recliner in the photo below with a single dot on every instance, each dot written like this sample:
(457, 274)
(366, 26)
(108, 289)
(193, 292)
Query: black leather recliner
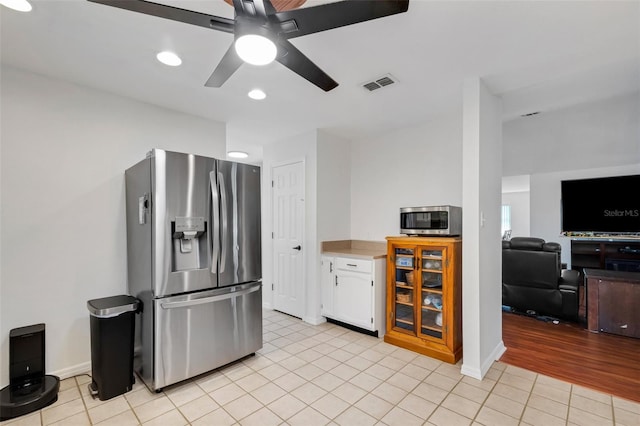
(533, 279)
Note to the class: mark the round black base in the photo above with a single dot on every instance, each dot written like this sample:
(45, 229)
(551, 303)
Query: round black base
(18, 402)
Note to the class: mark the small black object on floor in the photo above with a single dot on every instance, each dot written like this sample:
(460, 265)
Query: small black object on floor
(15, 402)
(530, 313)
(29, 388)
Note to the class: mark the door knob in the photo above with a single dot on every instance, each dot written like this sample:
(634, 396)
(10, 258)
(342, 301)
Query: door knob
(297, 248)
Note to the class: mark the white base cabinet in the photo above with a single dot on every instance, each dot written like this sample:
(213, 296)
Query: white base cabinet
(353, 291)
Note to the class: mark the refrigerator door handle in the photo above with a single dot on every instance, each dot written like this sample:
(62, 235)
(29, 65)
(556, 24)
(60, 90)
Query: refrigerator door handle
(215, 220)
(211, 299)
(225, 222)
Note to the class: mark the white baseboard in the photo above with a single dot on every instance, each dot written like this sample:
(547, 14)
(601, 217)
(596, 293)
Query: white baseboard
(314, 320)
(474, 372)
(74, 370)
(495, 355)
(478, 373)
(498, 351)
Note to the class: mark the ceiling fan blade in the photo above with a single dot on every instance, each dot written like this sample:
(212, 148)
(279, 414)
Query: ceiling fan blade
(297, 62)
(242, 7)
(264, 7)
(229, 63)
(309, 20)
(174, 13)
(253, 8)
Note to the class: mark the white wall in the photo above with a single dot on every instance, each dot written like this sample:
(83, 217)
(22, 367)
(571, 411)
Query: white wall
(333, 204)
(415, 166)
(334, 188)
(481, 247)
(520, 212)
(545, 200)
(594, 135)
(64, 152)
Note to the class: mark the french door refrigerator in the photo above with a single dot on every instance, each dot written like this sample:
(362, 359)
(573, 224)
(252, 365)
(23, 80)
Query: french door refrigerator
(194, 261)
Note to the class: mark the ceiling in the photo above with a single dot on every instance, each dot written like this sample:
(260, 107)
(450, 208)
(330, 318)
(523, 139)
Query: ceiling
(537, 55)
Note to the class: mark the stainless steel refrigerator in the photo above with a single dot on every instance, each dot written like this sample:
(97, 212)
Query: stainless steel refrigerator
(194, 261)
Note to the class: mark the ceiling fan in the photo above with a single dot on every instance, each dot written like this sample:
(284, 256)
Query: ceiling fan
(258, 21)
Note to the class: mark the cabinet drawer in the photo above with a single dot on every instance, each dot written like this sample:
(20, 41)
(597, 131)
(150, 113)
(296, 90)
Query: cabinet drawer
(358, 265)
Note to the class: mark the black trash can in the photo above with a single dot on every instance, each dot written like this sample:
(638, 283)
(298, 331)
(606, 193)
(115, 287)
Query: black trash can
(112, 329)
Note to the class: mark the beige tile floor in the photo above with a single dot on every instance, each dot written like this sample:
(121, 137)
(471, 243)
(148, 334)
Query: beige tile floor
(317, 375)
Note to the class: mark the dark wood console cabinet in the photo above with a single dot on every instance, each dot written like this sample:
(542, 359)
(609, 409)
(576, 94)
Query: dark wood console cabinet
(613, 298)
(618, 255)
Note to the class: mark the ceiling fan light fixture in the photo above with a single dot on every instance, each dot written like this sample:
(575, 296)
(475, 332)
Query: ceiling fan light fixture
(19, 5)
(257, 94)
(255, 49)
(169, 58)
(261, 31)
(237, 154)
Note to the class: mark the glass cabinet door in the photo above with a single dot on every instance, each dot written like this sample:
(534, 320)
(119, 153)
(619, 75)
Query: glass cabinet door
(431, 294)
(405, 277)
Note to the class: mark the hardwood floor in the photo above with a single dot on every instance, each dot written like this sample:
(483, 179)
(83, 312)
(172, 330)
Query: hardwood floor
(569, 352)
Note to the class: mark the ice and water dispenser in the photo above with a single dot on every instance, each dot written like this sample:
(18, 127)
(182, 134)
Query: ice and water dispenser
(189, 243)
(189, 249)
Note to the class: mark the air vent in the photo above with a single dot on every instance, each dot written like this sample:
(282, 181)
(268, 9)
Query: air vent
(385, 81)
(371, 86)
(379, 82)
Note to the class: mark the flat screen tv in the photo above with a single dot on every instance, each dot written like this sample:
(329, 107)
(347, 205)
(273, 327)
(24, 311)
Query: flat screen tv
(609, 205)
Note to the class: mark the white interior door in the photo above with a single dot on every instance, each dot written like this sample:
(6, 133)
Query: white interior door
(288, 249)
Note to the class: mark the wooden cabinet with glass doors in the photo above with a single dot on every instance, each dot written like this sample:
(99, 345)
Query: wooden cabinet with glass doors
(424, 295)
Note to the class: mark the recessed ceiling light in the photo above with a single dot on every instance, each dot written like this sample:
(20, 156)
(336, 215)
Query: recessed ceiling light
(257, 94)
(237, 154)
(19, 5)
(256, 49)
(169, 58)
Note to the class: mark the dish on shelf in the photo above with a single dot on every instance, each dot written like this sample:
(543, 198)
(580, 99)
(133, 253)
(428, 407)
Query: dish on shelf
(431, 285)
(432, 264)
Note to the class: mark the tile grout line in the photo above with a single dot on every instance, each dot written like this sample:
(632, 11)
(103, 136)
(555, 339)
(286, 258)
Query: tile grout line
(329, 372)
(129, 403)
(569, 403)
(482, 405)
(390, 354)
(84, 404)
(526, 404)
(613, 411)
(444, 399)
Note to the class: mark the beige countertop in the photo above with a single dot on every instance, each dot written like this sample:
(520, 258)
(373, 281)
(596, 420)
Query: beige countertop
(355, 248)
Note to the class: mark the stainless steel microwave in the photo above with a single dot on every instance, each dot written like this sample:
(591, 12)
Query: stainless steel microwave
(432, 220)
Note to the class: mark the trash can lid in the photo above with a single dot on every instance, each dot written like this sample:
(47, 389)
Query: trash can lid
(107, 307)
